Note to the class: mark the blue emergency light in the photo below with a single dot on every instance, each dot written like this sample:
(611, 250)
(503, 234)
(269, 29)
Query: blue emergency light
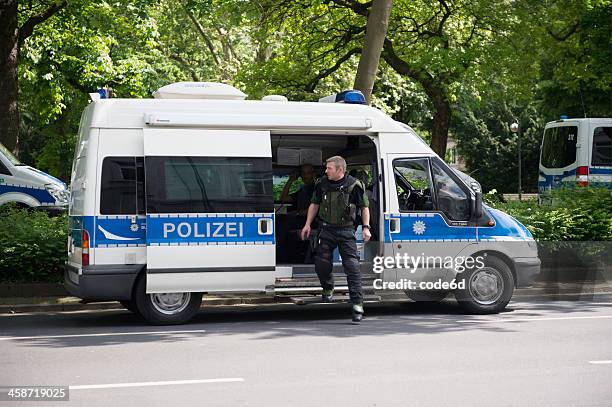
(564, 117)
(351, 96)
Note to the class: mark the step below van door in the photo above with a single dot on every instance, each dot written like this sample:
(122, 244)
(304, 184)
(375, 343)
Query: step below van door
(210, 210)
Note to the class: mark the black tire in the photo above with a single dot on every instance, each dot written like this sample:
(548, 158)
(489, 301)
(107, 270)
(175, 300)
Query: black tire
(426, 295)
(487, 290)
(179, 307)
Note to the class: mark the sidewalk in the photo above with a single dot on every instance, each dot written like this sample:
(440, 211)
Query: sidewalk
(13, 305)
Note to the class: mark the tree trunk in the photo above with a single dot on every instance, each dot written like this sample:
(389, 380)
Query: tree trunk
(376, 31)
(9, 46)
(441, 123)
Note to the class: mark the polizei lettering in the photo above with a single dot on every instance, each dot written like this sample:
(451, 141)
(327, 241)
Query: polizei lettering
(205, 230)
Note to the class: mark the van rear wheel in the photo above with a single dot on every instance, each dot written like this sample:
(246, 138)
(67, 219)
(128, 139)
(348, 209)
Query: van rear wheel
(166, 308)
(488, 289)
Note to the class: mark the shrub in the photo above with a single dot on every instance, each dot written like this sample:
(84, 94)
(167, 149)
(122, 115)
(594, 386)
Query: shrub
(32, 245)
(576, 214)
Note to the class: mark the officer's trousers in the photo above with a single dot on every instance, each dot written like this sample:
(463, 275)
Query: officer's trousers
(344, 239)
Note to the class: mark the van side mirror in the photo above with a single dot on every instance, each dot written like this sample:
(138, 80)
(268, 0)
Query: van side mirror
(477, 212)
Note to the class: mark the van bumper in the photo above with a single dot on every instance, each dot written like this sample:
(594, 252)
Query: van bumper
(101, 283)
(527, 269)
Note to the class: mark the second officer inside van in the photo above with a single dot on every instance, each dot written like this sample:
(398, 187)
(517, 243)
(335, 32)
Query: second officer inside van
(336, 199)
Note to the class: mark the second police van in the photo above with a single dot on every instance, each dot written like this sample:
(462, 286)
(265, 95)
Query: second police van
(173, 197)
(28, 187)
(576, 152)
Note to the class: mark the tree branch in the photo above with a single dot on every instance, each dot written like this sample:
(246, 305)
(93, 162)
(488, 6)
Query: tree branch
(28, 27)
(310, 86)
(562, 37)
(202, 32)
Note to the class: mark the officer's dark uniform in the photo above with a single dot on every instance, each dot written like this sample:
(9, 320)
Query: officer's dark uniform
(339, 202)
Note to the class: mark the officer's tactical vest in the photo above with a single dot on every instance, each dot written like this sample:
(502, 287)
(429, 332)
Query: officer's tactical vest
(335, 207)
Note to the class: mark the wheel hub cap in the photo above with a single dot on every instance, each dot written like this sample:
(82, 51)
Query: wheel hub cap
(486, 286)
(170, 303)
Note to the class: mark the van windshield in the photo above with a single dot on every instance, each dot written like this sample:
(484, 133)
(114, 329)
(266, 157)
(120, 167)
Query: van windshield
(6, 152)
(559, 147)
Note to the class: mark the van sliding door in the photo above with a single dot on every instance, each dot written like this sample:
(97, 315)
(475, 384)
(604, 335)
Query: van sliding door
(210, 210)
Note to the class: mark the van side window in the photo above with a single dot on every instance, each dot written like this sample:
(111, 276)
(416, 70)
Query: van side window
(209, 185)
(602, 147)
(414, 186)
(453, 200)
(122, 186)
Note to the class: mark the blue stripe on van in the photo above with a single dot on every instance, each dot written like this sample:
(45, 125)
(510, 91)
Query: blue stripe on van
(40, 194)
(120, 230)
(426, 227)
(204, 229)
(431, 227)
(600, 171)
(552, 181)
(107, 231)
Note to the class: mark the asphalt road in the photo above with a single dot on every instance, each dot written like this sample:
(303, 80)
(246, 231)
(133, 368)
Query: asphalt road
(539, 353)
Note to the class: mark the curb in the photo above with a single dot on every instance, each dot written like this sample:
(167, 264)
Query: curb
(229, 301)
(111, 305)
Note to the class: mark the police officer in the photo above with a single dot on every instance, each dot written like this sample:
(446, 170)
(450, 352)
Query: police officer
(336, 199)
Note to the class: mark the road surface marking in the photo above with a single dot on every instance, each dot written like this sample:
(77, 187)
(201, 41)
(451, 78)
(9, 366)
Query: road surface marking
(8, 338)
(601, 362)
(535, 319)
(147, 384)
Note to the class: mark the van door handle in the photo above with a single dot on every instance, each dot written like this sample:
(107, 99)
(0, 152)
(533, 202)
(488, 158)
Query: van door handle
(264, 226)
(394, 225)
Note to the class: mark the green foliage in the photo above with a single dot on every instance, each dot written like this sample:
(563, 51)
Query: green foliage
(32, 245)
(576, 56)
(492, 59)
(576, 214)
(490, 149)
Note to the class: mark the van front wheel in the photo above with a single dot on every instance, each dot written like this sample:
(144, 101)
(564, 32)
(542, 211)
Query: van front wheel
(487, 290)
(166, 308)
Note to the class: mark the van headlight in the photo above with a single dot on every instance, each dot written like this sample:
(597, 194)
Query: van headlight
(60, 195)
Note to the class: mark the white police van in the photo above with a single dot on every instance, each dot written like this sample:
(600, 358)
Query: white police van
(28, 187)
(576, 152)
(172, 198)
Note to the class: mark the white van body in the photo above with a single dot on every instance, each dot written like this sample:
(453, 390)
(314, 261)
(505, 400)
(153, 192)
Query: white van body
(576, 152)
(29, 187)
(208, 223)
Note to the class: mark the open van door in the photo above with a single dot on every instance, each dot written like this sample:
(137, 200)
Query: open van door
(427, 219)
(210, 210)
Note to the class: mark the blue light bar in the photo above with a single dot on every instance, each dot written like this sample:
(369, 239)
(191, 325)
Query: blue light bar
(564, 117)
(102, 93)
(351, 96)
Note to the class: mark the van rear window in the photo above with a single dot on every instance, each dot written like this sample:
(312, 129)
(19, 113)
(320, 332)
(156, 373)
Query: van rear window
(209, 185)
(602, 147)
(559, 146)
(122, 186)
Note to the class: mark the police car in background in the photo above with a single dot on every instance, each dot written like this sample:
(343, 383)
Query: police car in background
(28, 187)
(576, 152)
(172, 198)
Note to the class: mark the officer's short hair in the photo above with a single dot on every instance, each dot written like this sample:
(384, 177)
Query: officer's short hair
(338, 162)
